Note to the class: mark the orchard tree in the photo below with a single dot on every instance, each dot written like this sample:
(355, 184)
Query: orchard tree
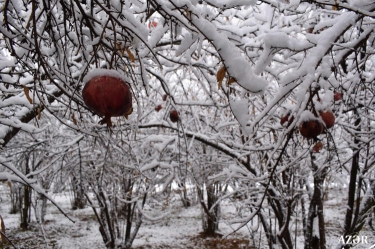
(281, 92)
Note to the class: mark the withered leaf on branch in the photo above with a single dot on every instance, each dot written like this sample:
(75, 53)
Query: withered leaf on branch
(39, 112)
(130, 54)
(334, 7)
(27, 94)
(317, 147)
(231, 80)
(220, 76)
(119, 47)
(74, 119)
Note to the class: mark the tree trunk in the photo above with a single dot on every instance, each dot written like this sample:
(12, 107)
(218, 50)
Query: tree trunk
(354, 183)
(15, 199)
(25, 209)
(267, 229)
(185, 198)
(43, 209)
(211, 213)
(128, 211)
(212, 221)
(79, 200)
(315, 229)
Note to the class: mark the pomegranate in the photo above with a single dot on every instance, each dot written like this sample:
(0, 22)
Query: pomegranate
(328, 118)
(285, 119)
(173, 115)
(158, 108)
(337, 96)
(107, 96)
(165, 96)
(311, 128)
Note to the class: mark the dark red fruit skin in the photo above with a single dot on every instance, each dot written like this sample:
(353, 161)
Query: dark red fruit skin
(158, 108)
(107, 96)
(337, 96)
(165, 96)
(311, 129)
(328, 118)
(286, 118)
(173, 115)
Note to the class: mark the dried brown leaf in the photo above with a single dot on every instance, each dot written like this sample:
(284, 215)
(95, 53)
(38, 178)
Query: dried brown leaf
(27, 94)
(74, 119)
(119, 47)
(39, 112)
(231, 80)
(220, 76)
(130, 54)
(317, 147)
(334, 7)
(219, 84)
(188, 13)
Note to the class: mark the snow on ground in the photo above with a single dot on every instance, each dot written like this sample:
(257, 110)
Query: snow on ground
(181, 229)
(59, 231)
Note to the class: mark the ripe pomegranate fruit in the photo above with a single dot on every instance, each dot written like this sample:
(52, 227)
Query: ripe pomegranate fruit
(328, 118)
(311, 128)
(173, 115)
(285, 119)
(158, 108)
(107, 96)
(337, 96)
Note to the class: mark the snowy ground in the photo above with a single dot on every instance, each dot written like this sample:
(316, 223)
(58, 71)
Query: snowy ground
(181, 229)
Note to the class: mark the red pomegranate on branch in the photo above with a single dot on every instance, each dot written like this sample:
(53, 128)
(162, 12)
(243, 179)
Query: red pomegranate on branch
(328, 118)
(310, 126)
(286, 120)
(337, 96)
(158, 108)
(311, 129)
(173, 115)
(107, 94)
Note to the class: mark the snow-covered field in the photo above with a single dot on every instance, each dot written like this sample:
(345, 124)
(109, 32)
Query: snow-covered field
(181, 229)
